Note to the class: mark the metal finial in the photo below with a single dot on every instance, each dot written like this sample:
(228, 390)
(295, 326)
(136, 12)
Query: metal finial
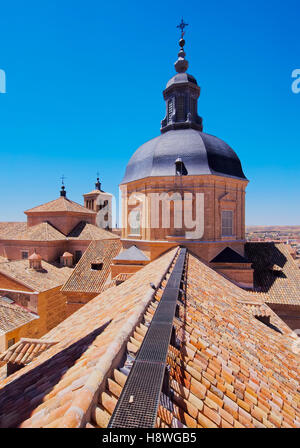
(63, 190)
(181, 65)
(98, 183)
(182, 25)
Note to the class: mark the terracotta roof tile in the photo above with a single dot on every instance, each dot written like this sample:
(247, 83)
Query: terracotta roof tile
(43, 231)
(24, 351)
(10, 229)
(62, 204)
(13, 316)
(88, 232)
(227, 369)
(276, 274)
(88, 342)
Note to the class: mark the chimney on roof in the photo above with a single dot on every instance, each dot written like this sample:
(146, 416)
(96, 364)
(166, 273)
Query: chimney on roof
(35, 262)
(67, 259)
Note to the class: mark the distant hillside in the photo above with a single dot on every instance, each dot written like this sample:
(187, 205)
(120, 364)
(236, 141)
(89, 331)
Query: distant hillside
(288, 229)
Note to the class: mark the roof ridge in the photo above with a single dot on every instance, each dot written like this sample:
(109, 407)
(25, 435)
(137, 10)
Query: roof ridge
(65, 206)
(103, 366)
(44, 226)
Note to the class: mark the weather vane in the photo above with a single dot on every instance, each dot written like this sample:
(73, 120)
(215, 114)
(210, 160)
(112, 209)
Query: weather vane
(62, 179)
(182, 25)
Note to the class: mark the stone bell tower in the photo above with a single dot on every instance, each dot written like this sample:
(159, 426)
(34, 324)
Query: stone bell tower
(100, 201)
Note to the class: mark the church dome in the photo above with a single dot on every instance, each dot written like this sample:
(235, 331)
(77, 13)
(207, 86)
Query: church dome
(181, 78)
(200, 153)
(182, 137)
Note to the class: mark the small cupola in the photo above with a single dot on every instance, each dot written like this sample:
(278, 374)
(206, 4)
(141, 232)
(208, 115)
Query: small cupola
(181, 95)
(67, 259)
(35, 261)
(98, 184)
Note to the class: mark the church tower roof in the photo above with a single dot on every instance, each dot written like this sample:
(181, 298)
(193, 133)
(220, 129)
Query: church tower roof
(60, 205)
(181, 95)
(182, 135)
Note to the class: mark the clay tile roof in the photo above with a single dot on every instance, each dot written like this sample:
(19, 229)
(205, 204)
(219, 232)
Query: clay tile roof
(276, 275)
(57, 388)
(13, 316)
(86, 279)
(122, 277)
(10, 229)
(226, 368)
(43, 231)
(62, 204)
(88, 232)
(24, 351)
(49, 277)
(260, 310)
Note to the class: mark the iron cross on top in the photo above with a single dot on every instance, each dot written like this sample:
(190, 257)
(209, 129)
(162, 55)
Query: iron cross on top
(182, 25)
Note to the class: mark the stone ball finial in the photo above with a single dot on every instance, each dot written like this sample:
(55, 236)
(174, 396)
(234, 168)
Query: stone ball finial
(181, 65)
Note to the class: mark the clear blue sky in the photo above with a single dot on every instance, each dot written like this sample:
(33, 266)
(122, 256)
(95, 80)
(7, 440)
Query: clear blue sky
(84, 90)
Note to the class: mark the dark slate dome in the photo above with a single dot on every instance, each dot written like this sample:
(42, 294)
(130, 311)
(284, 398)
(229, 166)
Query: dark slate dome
(181, 78)
(200, 153)
(182, 139)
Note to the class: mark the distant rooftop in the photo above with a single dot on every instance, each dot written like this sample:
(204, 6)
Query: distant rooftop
(86, 279)
(87, 231)
(62, 204)
(9, 229)
(13, 316)
(132, 254)
(276, 274)
(49, 277)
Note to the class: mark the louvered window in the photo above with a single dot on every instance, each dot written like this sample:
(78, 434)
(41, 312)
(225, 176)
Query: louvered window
(180, 108)
(170, 110)
(227, 223)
